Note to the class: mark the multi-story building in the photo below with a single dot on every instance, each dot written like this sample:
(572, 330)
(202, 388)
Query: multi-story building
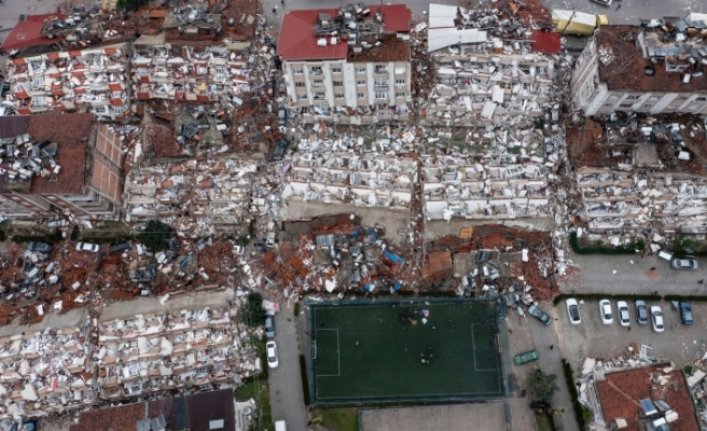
(658, 68)
(354, 57)
(59, 164)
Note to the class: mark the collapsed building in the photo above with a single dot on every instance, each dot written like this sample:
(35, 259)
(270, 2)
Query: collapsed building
(200, 198)
(489, 78)
(656, 68)
(60, 166)
(353, 60)
(85, 80)
(639, 176)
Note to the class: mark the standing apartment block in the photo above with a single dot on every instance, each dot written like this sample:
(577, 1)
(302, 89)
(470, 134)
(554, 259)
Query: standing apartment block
(657, 68)
(354, 57)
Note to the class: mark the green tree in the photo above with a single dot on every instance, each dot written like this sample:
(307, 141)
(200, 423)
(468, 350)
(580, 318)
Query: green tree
(156, 235)
(130, 5)
(542, 386)
(252, 311)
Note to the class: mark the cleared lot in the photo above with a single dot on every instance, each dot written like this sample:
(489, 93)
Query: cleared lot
(679, 343)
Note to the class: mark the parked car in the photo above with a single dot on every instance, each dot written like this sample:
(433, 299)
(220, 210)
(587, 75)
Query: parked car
(525, 357)
(280, 425)
(573, 311)
(30, 425)
(271, 349)
(87, 246)
(641, 312)
(622, 312)
(657, 319)
(539, 314)
(269, 327)
(685, 313)
(282, 116)
(602, 2)
(39, 247)
(684, 263)
(605, 312)
(118, 248)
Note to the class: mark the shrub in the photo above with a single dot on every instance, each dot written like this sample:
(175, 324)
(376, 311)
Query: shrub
(252, 311)
(600, 248)
(582, 414)
(156, 235)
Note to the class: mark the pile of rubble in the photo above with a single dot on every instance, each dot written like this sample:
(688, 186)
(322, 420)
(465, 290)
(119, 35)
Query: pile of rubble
(24, 158)
(166, 351)
(46, 372)
(698, 386)
(198, 198)
(640, 176)
(87, 80)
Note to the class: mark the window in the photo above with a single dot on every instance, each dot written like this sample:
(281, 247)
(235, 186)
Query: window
(298, 70)
(319, 96)
(380, 82)
(299, 84)
(360, 82)
(399, 70)
(400, 94)
(361, 69)
(315, 69)
(400, 81)
(336, 70)
(381, 94)
(380, 68)
(338, 83)
(318, 81)
(339, 96)
(360, 95)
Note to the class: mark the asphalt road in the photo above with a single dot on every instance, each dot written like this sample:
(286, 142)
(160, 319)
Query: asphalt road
(632, 11)
(633, 274)
(286, 396)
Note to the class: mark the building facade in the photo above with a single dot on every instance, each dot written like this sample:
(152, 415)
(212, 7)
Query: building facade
(348, 58)
(648, 70)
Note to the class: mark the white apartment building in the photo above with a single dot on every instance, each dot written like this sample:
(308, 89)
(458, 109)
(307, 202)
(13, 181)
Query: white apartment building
(352, 57)
(658, 68)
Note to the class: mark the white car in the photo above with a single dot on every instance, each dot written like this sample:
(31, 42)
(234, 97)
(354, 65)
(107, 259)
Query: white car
(605, 312)
(271, 349)
(573, 311)
(657, 319)
(622, 311)
(87, 246)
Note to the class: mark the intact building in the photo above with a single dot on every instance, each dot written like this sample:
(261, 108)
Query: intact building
(353, 57)
(59, 164)
(657, 68)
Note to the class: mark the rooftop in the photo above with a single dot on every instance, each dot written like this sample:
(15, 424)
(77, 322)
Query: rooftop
(651, 59)
(28, 33)
(70, 133)
(308, 34)
(620, 393)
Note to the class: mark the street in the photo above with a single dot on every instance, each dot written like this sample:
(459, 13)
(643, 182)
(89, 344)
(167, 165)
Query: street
(286, 395)
(633, 274)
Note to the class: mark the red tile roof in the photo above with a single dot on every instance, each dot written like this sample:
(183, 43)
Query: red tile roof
(119, 418)
(626, 71)
(620, 393)
(297, 40)
(28, 33)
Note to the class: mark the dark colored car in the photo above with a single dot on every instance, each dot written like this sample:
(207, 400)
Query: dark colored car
(282, 116)
(641, 312)
(539, 314)
(39, 247)
(685, 313)
(269, 327)
(118, 248)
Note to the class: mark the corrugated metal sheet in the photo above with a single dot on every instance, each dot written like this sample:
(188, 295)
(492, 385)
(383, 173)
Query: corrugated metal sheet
(438, 38)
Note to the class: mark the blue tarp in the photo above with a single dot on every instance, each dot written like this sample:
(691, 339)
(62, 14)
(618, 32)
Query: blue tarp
(398, 260)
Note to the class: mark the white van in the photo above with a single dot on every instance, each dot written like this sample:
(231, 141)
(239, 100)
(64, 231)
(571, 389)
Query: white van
(280, 425)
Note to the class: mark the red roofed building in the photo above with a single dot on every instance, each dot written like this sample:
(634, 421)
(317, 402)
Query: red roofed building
(28, 33)
(75, 168)
(350, 57)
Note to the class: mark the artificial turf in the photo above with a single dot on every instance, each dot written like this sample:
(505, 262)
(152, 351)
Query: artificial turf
(378, 352)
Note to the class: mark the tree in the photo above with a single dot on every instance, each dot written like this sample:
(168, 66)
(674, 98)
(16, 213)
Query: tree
(252, 311)
(130, 5)
(542, 386)
(156, 235)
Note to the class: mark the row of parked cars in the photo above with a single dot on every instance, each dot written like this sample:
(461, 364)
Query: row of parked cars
(643, 313)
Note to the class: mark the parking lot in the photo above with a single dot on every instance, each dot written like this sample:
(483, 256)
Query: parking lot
(591, 338)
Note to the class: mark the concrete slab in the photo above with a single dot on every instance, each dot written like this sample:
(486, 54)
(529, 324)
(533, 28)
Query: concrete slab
(69, 319)
(196, 299)
(457, 417)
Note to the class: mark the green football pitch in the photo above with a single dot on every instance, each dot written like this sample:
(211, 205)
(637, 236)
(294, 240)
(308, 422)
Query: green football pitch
(404, 351)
